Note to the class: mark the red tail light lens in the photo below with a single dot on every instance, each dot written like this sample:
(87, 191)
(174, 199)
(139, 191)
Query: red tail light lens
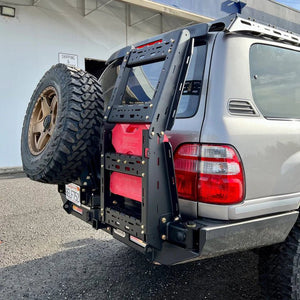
(187, 163)
(209, 173)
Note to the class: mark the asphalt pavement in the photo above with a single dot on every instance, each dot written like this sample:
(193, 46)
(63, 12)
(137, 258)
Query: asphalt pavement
(47, 254)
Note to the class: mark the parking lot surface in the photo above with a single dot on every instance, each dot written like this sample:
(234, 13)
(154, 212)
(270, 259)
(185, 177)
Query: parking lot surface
(47, 254)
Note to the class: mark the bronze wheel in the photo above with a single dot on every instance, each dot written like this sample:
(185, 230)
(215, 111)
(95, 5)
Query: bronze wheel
(42, 121)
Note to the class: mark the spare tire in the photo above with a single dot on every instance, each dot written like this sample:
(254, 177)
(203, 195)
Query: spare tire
(61, 129)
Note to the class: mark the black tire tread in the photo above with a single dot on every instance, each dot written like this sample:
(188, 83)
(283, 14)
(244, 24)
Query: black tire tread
(279, 268)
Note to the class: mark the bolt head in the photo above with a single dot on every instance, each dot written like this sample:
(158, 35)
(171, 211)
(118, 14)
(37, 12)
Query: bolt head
(191, 224)
(164, 237)
(164, 220)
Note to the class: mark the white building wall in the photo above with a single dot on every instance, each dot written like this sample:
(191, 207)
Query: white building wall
(30, 43)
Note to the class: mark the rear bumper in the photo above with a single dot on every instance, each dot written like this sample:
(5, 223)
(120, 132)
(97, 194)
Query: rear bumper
(218, 239)
(199, 239)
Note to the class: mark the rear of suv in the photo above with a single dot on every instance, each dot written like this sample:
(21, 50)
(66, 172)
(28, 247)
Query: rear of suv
(199, 147)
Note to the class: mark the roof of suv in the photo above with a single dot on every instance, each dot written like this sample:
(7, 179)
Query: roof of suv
(232, 23)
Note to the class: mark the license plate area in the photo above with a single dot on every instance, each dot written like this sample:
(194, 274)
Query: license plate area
(73, 193)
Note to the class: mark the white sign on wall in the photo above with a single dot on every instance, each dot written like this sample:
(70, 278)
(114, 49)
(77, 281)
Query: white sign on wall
(68, 59)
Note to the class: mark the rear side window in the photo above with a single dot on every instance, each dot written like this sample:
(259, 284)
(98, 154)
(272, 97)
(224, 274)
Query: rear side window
(275, 81)
(190, 97)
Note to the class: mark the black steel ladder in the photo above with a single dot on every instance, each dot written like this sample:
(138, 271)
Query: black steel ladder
(159, 194)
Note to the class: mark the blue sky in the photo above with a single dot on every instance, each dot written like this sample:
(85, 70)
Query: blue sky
(291, 3)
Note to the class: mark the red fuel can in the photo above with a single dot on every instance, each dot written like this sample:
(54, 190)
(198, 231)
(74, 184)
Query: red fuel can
(125, 185)
(128, 139)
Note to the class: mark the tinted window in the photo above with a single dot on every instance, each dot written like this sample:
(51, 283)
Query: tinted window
(143, 80)
(275, 80)
(190, 98)
(108, 79)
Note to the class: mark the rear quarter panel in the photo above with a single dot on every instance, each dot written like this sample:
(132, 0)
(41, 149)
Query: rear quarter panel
(269, 149)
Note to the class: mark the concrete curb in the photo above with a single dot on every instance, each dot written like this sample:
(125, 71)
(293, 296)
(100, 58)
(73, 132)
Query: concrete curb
(11, 170)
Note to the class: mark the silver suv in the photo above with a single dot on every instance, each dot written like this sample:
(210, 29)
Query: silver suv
(199, 146)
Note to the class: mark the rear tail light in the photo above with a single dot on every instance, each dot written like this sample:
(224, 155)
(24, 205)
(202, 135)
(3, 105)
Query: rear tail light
(209, 173)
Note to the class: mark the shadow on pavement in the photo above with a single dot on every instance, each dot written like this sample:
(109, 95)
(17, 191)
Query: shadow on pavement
(89, 269)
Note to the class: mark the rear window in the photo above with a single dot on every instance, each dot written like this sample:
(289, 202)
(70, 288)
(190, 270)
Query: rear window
(275, 81)
(143, 80)
(142, 83)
